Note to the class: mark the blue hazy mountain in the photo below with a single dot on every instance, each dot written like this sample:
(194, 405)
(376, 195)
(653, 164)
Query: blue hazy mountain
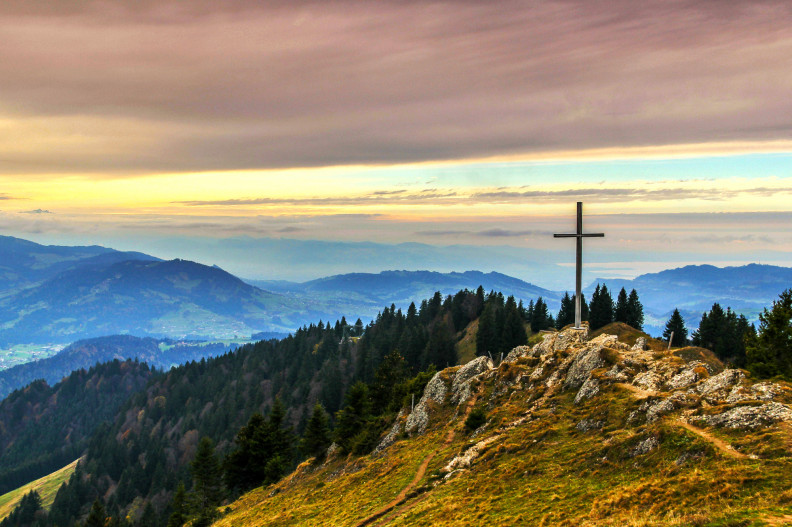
(23, 263)
(373, 291)
(693, 289)
(176, 298)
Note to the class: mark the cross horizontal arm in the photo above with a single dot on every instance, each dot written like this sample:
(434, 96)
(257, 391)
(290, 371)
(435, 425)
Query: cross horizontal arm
(592, 235)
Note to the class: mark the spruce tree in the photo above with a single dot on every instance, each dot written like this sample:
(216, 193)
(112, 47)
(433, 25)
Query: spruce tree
(676, 326)
(97, 516)
(635, 315)
(487, 336)
(513, 328)
(354, 416)
(179, 507)
(566, 315)
(541, 318)
(316, 437)
(600, 308)
(207, 479)
(769, 353)
(621, 313)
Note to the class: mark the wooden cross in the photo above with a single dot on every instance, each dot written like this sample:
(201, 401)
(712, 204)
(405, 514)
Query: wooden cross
(579, 263)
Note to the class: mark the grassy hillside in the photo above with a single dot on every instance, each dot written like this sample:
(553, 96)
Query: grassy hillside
(590, 433)
(47, 487)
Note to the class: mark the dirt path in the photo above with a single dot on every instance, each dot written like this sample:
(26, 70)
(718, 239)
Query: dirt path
(778, 520)
(706, 436)
(420, 473)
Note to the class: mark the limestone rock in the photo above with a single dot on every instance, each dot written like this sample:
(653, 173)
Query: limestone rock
(640, 344)
(466, 458)
(584, 363)
(394, 432)
(589, 389)
(658, 408)
(435, 392)
(587, 425)
(516, 353)
(461, 388)
(546, 346)
(568, 337)
(645, 446)
(690, 374)
(749, 417)
(649, 381)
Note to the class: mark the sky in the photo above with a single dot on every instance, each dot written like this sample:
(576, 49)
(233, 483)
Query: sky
(185, 128)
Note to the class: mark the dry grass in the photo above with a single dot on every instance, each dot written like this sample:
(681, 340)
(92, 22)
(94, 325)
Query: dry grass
(546, 472)
(47, 487)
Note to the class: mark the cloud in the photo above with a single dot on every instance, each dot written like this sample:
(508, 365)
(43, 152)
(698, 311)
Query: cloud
(507, 233)
(620, 194)
(37, 211)
(112, 89)
(381, 196)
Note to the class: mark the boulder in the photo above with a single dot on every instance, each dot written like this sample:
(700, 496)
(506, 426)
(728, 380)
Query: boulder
(749, 417)
(461, 389)
(584, 363)
(435, 392)
(589, 389)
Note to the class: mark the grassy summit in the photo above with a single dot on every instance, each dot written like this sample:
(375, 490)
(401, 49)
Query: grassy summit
(577, 432)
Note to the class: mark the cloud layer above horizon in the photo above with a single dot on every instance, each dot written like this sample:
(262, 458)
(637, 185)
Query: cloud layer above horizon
(114, 88)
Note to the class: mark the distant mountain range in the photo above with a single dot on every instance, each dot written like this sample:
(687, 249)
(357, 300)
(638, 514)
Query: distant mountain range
(24, 263)
(747, 289)
(144, 297)
(53, 294)
(378, 290)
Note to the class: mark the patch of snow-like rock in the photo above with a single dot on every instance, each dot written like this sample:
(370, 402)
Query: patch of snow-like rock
(466, 458)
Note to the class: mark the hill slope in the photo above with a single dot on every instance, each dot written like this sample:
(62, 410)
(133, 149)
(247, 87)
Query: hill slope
(24, 263)
(175, 299)
(575, 433)
(158, 353)
(43, 428)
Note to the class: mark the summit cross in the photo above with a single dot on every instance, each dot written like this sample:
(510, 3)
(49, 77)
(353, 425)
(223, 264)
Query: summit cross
(579, 261)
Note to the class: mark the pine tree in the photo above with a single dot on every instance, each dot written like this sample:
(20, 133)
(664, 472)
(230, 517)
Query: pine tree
(566, 315)
(769, 353)
(392, 370)
(600, 308)
(179, 506)
(207, 479)
(513, 328)
(676, 326)
(354, 416)
(622, 310)
(97, 516)
(486, 337)
(541, 318)
(635, 315)
(316, 437)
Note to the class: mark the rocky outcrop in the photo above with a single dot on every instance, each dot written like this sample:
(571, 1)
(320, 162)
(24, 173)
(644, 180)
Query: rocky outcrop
(584, 363)
(748, 417)
(461, 389)
(434, 394)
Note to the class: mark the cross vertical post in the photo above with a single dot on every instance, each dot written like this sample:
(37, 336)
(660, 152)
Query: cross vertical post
(579, 235)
